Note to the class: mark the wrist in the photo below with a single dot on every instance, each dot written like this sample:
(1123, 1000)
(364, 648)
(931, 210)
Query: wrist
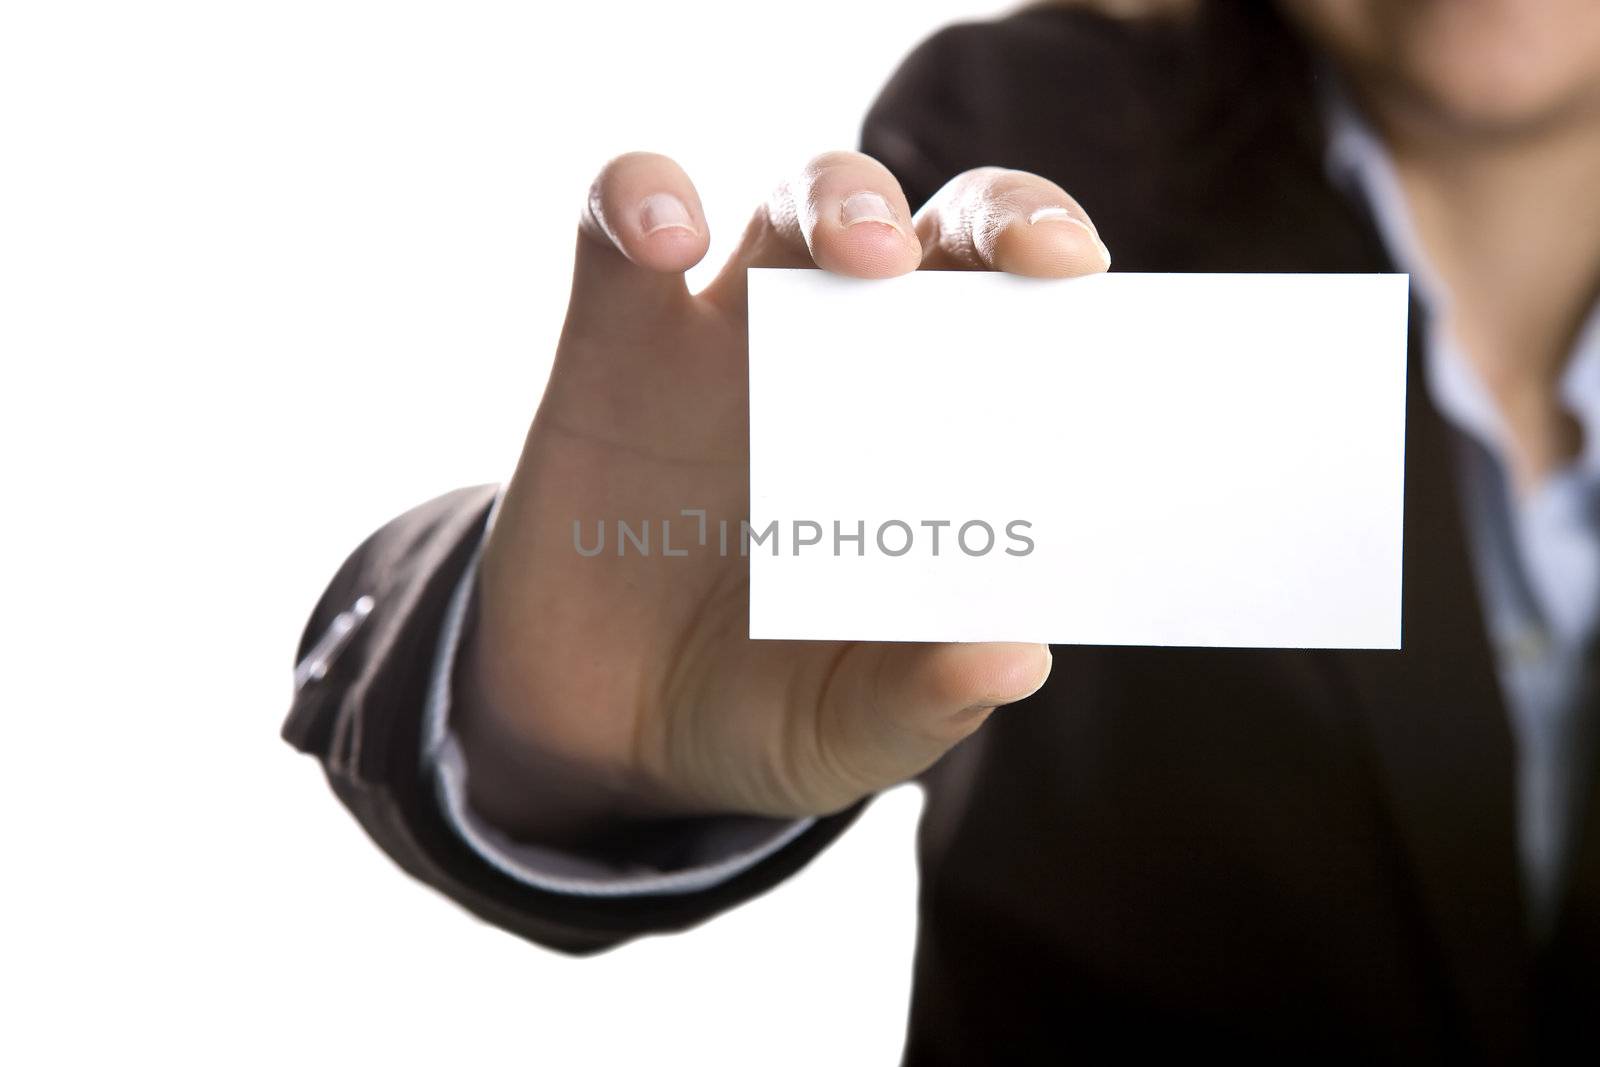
(517, 780)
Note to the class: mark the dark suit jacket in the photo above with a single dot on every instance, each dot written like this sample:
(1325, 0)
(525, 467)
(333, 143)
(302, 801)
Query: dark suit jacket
(1260, 852)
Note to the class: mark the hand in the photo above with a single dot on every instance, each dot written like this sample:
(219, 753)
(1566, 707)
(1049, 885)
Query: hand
(606, 688)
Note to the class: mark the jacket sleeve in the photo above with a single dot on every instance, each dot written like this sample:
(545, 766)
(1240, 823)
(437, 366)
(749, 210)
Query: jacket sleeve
(371, 641)
(366, 660)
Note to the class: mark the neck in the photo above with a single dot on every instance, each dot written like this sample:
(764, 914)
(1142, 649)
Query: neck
(1511, 224)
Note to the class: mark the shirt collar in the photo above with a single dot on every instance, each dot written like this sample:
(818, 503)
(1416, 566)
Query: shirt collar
(1358, 162)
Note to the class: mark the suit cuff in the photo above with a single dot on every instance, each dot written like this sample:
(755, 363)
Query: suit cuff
(683, 857)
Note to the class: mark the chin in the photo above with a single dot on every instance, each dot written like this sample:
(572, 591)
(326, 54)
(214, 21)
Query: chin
(1506, 84)
(1482, 65)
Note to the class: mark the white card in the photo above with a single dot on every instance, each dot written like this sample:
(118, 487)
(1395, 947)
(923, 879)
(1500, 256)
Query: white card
(1151, 459)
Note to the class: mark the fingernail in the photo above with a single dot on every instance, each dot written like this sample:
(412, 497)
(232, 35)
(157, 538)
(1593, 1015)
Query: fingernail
(867, 207)
(663, 211)
(1061, 214)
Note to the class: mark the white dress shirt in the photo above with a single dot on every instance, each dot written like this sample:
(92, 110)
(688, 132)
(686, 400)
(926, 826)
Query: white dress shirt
(1536, 558)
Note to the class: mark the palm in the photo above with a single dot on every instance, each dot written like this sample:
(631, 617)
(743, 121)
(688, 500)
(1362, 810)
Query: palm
(637, 665)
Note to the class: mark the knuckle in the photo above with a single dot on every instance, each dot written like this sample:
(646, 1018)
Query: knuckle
(777, 220)
(1013, 187)
(1006, 187)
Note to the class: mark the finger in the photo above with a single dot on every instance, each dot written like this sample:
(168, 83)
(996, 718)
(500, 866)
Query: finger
(899, 707)
(1009, 220)
(844, 212)
(642, 226)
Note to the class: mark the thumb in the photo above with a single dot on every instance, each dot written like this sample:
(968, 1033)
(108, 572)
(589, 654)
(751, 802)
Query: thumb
(642, 226)
(894, 709)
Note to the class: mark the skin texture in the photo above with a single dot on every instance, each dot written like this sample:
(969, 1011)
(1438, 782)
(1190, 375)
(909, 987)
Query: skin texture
(592, 692)
(613, 688)
(1476, 69)
(1491, 109)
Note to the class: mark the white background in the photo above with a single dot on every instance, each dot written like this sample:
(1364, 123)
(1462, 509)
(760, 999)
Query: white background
(269, 274)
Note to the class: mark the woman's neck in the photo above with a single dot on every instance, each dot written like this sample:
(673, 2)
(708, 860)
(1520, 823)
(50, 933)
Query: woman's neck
(1511, 224)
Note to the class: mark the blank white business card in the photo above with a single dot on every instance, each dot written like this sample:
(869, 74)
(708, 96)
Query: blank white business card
(1151, 459)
